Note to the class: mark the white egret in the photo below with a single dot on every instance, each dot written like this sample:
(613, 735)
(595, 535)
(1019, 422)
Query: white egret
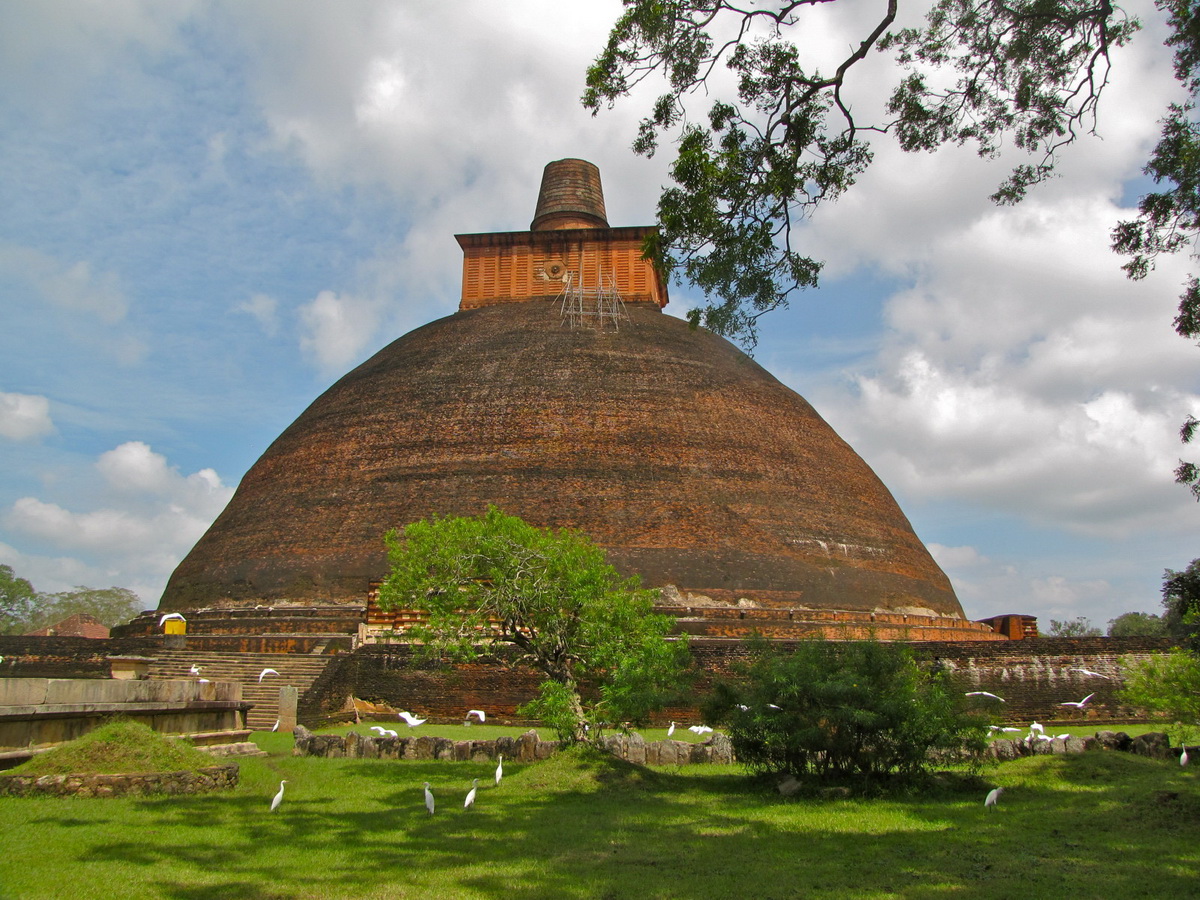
(266, 672)
(382, 731)
(671, 729)
(167, 616)
(773, 706)
(275, 727)
(1062, 737)
(1035, 726)
(428, 798)
(482, 716)
(499, 769)
(195, 669)
(699, 729)
(1183, 757)
(278, 797)
(992, 797)
(1078, 704)
(412, 720)
(1009, 730)
(204, 681)
(985, 694)
(1093, 674)
(470, 801)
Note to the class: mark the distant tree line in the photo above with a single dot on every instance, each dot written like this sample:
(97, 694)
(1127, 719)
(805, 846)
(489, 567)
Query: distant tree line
(23, 609)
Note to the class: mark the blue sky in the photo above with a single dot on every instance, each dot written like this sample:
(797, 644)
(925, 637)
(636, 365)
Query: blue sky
(213, 210)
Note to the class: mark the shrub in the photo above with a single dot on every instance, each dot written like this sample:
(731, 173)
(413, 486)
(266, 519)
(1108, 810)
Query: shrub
(858, 709)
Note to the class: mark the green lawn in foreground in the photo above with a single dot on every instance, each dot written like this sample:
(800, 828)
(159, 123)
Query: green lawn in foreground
(580, 825)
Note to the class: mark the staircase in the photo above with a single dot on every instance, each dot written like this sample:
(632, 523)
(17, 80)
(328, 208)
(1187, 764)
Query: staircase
(297, 670)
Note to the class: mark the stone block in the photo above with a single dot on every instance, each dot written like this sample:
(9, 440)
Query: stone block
(23, 691)
(1154, 744)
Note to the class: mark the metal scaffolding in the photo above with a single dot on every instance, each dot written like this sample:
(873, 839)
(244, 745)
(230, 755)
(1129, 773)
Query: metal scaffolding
(600, 307)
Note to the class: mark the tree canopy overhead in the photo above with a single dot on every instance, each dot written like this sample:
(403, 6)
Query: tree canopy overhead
(756, 162)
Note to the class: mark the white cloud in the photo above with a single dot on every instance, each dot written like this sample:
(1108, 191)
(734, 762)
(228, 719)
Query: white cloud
(337, 328)
(154, 516)
(24, 417)
(265, 310)
(71, 286)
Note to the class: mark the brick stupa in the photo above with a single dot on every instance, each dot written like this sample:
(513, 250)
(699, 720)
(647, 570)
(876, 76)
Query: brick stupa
(561, 393)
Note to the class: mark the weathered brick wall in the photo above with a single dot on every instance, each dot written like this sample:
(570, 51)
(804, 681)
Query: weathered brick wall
(1034, 676)
(67, 657)
(210, 778)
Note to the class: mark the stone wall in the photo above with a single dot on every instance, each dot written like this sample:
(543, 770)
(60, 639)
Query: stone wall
(67, 657)
(210, 778)
(43, 712)
(528, 747)
(1034, 676)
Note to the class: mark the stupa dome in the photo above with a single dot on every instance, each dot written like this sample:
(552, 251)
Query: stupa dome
(676, 452)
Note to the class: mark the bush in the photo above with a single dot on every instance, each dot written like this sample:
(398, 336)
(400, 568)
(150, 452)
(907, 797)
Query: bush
(1168, 684)
(858, 709)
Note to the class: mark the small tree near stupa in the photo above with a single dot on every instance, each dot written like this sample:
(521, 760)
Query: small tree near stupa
(495, 580)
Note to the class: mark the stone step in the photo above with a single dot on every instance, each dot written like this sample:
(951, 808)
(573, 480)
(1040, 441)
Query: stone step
(297, 670)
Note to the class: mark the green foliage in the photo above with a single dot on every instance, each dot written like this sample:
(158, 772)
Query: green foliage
(1137, 624)
(495, 579)
(18, 600)
(1166, 683)
(1080, 626)
(118, 747)
(1030, 72)
(111, 606)
(22, 609)
(1181, 600)
(860, 709)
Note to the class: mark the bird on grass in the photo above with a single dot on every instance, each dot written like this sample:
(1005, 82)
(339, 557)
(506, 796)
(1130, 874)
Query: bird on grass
(382, 731)
(428, 798)
(499, 769)
(469, 803)
(671, 729)
(993, 795)
(412, 720)
(1036, 726)
(1183, 757)
(699, 729)
(985, 694)
(1003, 728)
(476, 712)
(265, 672)
(1078, 704)
(278, 797)
(275, 727)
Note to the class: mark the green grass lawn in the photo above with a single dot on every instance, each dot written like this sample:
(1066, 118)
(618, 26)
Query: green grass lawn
(1097, 825)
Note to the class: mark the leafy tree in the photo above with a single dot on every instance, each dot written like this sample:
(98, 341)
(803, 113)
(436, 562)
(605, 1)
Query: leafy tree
(851, 708)
(110, 606)
(496, 580)
(17, 602)
(1081, 626)
(1181, 600)
(978, 72)
(1167, 683)
(1137, 624)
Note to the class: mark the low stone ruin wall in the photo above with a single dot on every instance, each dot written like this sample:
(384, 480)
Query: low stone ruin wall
(210, 778)
(528, 747)
(1154, 744)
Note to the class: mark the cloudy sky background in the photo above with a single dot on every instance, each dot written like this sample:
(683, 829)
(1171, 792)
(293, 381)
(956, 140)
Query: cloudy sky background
(214, 210)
